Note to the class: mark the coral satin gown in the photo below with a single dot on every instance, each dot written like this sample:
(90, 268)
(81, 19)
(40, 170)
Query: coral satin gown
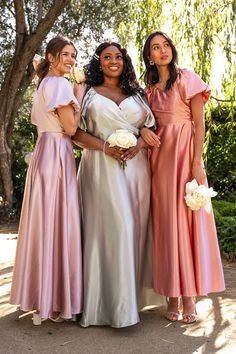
(186, 254)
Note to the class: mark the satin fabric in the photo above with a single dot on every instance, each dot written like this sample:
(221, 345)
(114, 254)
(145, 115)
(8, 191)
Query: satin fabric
(186, 254)
(48, 266)
(116, 205)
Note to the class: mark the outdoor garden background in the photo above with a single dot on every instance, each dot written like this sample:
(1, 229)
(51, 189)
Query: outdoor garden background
(204, 33)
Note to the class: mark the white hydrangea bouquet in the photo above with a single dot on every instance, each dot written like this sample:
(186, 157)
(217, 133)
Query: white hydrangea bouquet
(198, 196)
(124, 139)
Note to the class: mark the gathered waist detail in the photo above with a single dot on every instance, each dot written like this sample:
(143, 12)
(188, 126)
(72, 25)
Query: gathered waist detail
(173, 120)
(54, 134)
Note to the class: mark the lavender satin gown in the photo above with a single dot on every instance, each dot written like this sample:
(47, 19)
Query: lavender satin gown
(116, 205)
(186, 254)
(48, 271)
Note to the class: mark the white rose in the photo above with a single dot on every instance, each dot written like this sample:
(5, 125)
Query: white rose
(192, 203)
(122, 138)
(198, 196)
(191, 186)
(211, 192)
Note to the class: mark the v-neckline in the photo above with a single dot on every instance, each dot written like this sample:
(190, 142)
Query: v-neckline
(110, 99)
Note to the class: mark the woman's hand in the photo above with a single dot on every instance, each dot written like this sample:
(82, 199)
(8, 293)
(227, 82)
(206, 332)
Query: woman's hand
(114, 151)
(198, 172)
(150, 137)
(134, 150)
(79, 91)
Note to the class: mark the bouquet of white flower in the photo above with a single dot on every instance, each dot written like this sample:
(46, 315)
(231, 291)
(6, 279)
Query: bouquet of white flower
(198, 196)
(77, 75)
(124, 139)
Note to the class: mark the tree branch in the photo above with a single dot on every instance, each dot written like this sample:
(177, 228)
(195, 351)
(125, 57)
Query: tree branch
(221, 100)
(40, 10)
(20, 17)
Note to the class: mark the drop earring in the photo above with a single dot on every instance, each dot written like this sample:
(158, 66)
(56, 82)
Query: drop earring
(50, 65)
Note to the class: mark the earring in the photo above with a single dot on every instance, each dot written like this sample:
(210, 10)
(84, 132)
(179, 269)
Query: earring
(151, 62)
(50, 65)
(100, 68)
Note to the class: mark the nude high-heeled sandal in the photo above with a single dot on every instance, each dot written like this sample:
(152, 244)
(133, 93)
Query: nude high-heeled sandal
(189, 318)
(172, 315)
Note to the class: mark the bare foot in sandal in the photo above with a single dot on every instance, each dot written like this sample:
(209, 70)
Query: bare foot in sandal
(189, 309)
(172, 313)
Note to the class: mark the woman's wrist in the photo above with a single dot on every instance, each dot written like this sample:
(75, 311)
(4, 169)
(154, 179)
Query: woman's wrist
(142, 144)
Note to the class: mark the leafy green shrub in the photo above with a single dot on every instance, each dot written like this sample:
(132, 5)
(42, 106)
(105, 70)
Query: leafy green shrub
(220, 148)
(23, 141)
(225, 217)
(217, 215)
(227, 237)
(225, 208)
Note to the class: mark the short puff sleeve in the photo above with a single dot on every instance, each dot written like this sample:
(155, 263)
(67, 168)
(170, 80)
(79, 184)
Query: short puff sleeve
(190, 84)
(58, 92)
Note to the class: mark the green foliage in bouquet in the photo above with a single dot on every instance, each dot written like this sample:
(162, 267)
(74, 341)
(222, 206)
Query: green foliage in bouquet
(225, 217)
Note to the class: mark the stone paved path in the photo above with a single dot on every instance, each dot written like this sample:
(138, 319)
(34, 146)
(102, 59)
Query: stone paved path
(215, 331)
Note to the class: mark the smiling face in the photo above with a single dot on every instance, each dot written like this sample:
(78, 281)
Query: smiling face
(160, 51)
(112, 62)
(64, 62)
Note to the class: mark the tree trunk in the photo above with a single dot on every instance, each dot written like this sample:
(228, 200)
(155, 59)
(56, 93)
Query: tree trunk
(17, 79)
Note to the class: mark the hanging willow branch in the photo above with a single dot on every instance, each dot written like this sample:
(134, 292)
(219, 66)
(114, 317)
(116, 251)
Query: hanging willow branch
(221, 100)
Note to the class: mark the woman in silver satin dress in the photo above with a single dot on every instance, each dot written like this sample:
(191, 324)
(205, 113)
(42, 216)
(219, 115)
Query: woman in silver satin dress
(115, 201)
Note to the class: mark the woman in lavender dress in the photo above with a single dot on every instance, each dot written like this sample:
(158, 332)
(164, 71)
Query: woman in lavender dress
(47, 274)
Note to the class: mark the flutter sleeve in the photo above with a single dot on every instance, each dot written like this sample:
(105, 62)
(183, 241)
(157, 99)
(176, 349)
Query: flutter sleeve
(190, 84)
(58, 92)
(150, 120)
(85, 103)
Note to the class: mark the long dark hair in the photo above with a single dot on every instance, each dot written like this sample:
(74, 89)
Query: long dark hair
(54, 47)
(128, 80)
(151, 75)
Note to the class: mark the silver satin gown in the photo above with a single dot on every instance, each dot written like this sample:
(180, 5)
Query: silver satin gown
(116, 207)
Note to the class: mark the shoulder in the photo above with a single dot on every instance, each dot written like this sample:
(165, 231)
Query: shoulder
(187, 74)
(55, 82)
(149, 89)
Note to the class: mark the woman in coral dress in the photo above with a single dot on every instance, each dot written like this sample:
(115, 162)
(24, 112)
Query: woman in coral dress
(47, 274)
(115, 201)
(186, 255)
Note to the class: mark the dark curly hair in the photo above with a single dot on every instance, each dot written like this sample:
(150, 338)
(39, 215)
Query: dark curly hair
(151, 75)
(128, 80)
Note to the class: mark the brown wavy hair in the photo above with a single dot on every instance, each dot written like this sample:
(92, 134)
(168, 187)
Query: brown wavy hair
(151, 76)
(54, 47)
